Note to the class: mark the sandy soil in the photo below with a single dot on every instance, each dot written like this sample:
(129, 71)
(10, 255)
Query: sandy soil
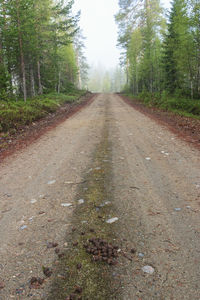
(186, 128)
(156, 194)
(61, 155)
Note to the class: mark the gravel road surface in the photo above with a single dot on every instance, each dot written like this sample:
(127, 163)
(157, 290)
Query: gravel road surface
(156, 195)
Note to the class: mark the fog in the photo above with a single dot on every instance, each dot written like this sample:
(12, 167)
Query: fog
(99, 28)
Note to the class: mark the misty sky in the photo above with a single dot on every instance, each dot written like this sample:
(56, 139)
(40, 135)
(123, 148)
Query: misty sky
(100, 30)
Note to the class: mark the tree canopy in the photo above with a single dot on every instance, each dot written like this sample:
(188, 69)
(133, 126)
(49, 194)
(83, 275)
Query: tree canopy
(160, 53)
(37, 47)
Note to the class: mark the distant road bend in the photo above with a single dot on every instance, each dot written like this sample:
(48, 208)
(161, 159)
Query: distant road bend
(154, 189)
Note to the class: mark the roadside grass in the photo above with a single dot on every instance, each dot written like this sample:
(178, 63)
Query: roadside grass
(180, 106)
(15, 114)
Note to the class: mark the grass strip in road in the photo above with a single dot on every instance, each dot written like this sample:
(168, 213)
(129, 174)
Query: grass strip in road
(80, 274)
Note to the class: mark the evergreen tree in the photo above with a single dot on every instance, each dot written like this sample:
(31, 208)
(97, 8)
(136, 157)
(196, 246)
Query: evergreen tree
(36, 43)
(177, 48)
(194, 7)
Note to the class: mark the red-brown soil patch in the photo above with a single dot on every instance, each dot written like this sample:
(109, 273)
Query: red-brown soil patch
(28, 134)
(186, 128)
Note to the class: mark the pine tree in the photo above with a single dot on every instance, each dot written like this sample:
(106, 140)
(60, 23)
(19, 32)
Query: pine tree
(195, 29)
(178, 46)
(36, 42)
(3, 75)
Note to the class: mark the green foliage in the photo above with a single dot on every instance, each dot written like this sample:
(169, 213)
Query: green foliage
(177, 48)
(14, 115)
(157, 59)
(141, 24)
(37, 53)
(177, 104)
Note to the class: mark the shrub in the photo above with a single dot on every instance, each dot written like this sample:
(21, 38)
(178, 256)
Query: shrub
(172, 103)
(14, 114)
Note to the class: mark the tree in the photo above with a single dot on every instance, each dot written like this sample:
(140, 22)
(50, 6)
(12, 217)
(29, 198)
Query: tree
(36, 38)
(194, 7)
(134, 56)
(3, 75)
(140, 25)
(180, 51)
(81, 59)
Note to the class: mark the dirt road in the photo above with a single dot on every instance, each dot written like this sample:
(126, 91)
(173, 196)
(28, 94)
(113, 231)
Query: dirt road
(153, 187)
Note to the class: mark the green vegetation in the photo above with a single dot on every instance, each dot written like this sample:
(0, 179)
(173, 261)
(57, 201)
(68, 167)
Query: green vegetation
(41, 59)
(182, 106)
(14, 115)
(161, 54)
(40, 48)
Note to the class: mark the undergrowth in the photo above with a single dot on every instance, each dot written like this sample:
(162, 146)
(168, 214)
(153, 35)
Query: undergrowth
(15, 114)
(182, 106)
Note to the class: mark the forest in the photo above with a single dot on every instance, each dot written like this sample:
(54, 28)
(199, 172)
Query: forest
(42, 55)
(40, 48)
(161, 52)
(42, 63)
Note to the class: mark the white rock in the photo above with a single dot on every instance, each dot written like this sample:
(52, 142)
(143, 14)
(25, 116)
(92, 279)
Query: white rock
(23, 227)
(51, 182)
(81, 201)
(112, 220)
(66, 204)
(148, 270)
(177, 209)
(33, 201)
(141, 254)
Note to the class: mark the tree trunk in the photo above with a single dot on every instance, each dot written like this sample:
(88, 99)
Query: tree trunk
(32, 82)
(79, 73)
(198, 81)
(79, 78)
(22, 64)
(136, 77)
(59, 82)
(1, 53)
(127, 72)
(2, 30)
(10, 77)
(40, 89)
(192, 91)
(23, 68)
